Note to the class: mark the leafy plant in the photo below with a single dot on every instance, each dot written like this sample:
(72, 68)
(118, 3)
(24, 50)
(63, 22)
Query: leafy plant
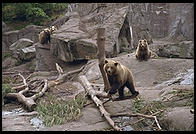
(36, 15)
(5, 89)
(55, 111)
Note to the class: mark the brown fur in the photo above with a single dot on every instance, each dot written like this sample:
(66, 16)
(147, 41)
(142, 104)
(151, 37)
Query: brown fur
(119, 76)
(44, 36)
(143, 52)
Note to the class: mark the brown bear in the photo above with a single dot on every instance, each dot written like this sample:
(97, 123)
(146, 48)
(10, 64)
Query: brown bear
(119, 76)
(44, 36)
(143, 52)
(52, 29)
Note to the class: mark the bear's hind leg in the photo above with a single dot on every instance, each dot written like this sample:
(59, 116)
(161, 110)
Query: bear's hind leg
(131, 87)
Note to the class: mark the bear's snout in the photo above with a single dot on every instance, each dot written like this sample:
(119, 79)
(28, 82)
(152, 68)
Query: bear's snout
(109, 71)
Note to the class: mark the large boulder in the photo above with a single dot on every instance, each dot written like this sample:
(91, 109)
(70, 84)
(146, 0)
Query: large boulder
(21, 43)
(178, 119)
(44, 60)
(184, 49)
(76, 39)
(27, 53)
(70, 41)
(23, 50)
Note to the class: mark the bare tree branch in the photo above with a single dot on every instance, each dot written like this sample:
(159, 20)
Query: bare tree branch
(98, 103)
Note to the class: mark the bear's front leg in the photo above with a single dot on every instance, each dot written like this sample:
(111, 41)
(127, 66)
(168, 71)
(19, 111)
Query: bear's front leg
(114, 88)
(121, 92)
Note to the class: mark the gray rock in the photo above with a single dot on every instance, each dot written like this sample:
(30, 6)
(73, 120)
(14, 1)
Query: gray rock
(122, 33)
(27, 53)
(9, 62)
(179, 118)
(128, 128)
(188, 79)
(37, 123)
(20, 44)
(184, 49)
(44, 60)
(30, 32)
(181, 24)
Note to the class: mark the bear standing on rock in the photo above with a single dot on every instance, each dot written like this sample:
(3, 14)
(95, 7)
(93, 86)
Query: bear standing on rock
(119, 76)
(44, 36)
(143, 52)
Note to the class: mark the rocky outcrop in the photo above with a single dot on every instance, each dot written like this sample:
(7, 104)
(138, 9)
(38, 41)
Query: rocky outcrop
(122, 32)
(181, 21)
(30, 32)
(44, 60)
(184, 49)
(76, 39)
(23, 50)
(139, 21)
(178, 119)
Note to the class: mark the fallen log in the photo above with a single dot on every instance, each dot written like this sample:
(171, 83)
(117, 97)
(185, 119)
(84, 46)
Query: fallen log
(98, 103)
(63, 77)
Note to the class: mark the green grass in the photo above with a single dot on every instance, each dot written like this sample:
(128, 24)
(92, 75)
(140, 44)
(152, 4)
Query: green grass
(6, 89)
(56, 112)
(183, 94)
(148, 108)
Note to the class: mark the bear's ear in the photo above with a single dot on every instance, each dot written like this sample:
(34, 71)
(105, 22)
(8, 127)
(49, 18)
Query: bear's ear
(140, 41)
(116, 63)
(106, 61)
(145, 40)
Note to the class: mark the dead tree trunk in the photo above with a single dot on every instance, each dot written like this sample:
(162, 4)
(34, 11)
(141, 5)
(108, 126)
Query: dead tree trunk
(101, 56)
(89, 89)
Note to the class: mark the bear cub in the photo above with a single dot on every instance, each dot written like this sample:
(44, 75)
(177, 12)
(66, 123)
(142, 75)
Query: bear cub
(119, 76)
(143, 52)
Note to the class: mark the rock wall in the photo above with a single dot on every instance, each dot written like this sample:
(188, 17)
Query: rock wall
(181, 21)
(175, 21)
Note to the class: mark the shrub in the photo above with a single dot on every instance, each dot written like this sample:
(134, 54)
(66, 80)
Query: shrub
(36, 15)
(5, 89)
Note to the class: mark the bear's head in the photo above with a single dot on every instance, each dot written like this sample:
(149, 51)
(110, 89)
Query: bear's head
(52, 29)
(110, 67)
(143, 44)
(47, 31)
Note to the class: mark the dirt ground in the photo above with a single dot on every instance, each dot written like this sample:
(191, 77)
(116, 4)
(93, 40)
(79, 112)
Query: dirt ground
(147, 76)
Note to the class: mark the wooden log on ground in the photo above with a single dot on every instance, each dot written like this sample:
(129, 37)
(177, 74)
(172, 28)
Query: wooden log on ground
(98, 103)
